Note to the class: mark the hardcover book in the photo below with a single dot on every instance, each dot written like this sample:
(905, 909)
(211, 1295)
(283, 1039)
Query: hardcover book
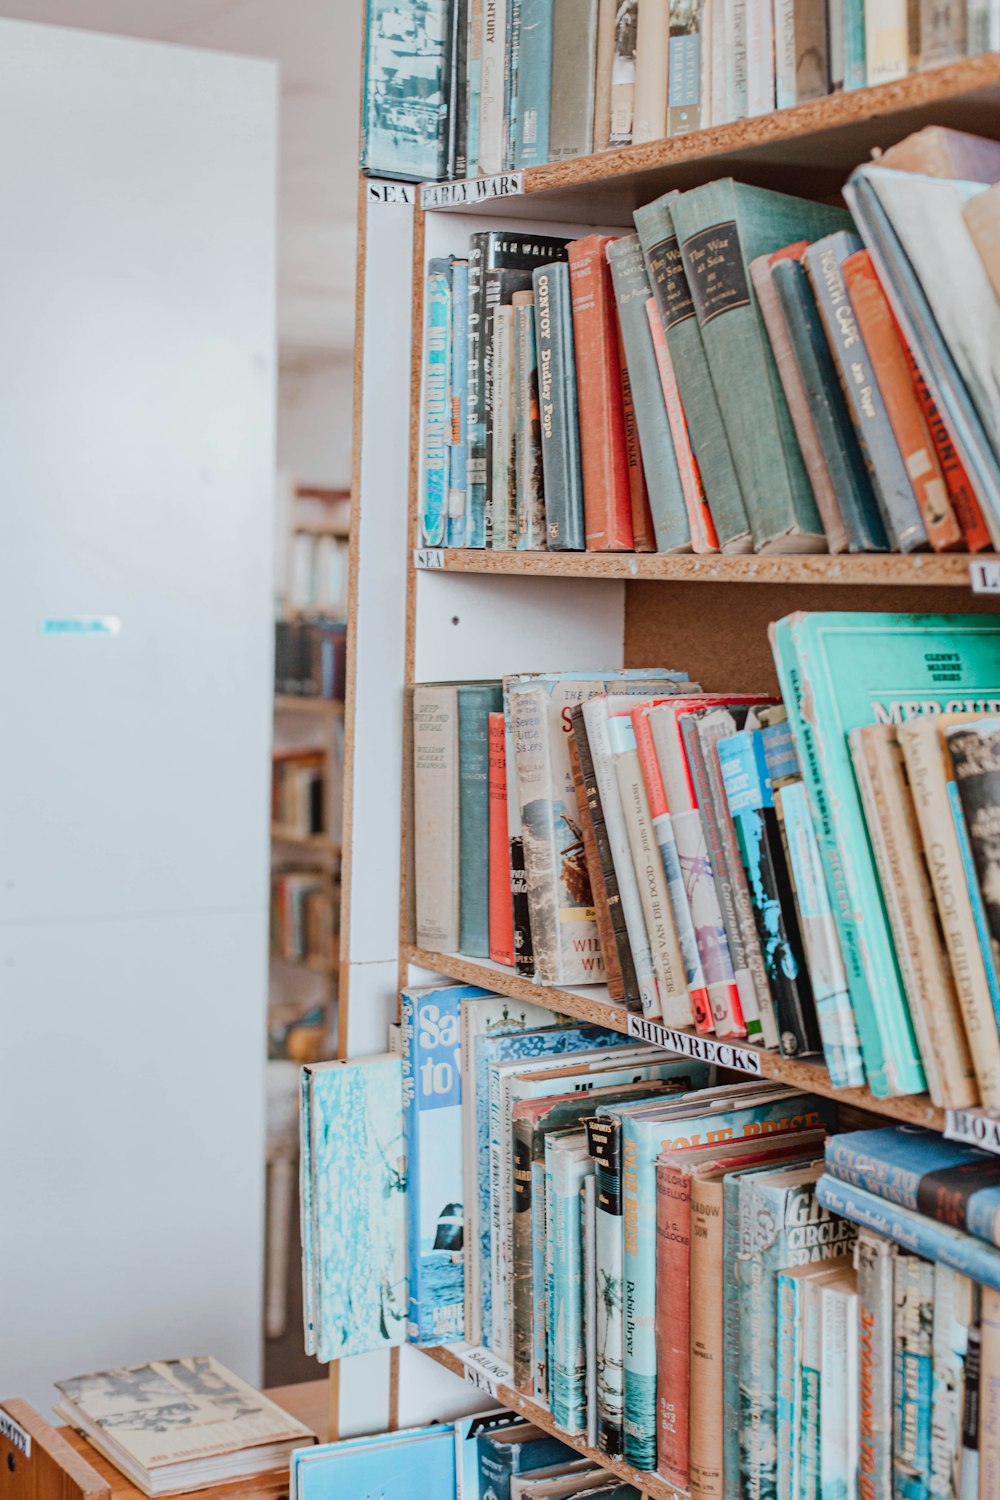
(437, 420)
(476, 701)
(404, 122)
(360, 1468)
(531, 142)
(571, 107)
(974, 750)
(557, 408)
(873, 1261)
(595, 868)
(501, 921)
(437, 878)
(531, 532)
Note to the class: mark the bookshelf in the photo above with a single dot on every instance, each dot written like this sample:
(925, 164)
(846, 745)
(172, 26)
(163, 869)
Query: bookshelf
(482, 614)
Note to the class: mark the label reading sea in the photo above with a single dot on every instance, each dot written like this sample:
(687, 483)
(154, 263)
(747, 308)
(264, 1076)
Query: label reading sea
(742, 1059)
(390, 192)
(428, 557)
(485, 1371)
(716, 275)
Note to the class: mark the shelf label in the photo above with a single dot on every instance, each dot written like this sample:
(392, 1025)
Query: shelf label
(92, 625)
(984, 575)
(472, 190)
(391, 192)
(15, 1434)
(703, 1048)
(428, 557)
(972, 1128)
(485, 1371)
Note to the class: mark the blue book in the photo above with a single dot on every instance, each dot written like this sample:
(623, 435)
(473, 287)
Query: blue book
(913, 1300)
(476, 701)
(504, 1454)
(534, 84)
(937, 1242)
(404, 118)
(920, 1170)
(568, 1162)
(432, 1133)
(789, 1384)
(354, 1205)
(418, 1461)
(437, 417)
(468, 1432)
(855, 62)
(458, 497)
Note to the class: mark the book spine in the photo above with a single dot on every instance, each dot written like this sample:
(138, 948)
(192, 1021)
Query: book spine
(784, 54)
(942, 34)
(574, 47)
(736, 59)
(953, 1298)
(539, 1284)
(474, 705)
(437, 366)
(501, 915)
(606, 495)
(458, 479)
(706, 1387)
(476, 469)
(411, 1145)
(874, 1258)
(974, 752)
(530, 730)
(833, 1428)
(890, 481)
(558, 416)
(606, 26)
(458, 104)
(886, 41)
(652, 43)
(623, 74)
(588, 1213)
(686, 104)
(731, 1337)
(960, 491)
(522, 1300)
(436, 854)
(760, 57)
(569, 1368)
(500, 429)
(604, 1140)
(638, 1301)
(473, 70)
(974, 895)
(855, 64)
(531, 145)
(643, 537)
(617, 953)
(789, 1387)
(512, 69)
(913, 1297)
(530, 504)
(989, 1396)
(673, 1271)
(889, 366)
(701, 527)
(609, 951)
(524, 959)
(491, 87)
(812, 1380)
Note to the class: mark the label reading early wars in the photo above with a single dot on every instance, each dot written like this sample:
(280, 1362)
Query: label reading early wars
(972, 1128)
(15, 1434)
(485, 1371)
(984, 577)
(703, 1048)
(472, 190)
(716, 277)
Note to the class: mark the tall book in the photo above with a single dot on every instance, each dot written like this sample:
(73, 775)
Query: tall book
(559, 423)
(652, 44)
(704, 537)
(873, 1261)
(437, 378)
(491, 87)
(623, 73)
(501, 918)
(574, 50)
(688, 49)
(436, 858)
(476, 701)
(531, 141)
(404, 117)
(739, 223)
(458, 441)
(802, 62)
(530, 494)
(603, 64)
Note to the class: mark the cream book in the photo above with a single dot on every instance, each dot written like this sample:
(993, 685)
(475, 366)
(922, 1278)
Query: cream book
(180, 1424)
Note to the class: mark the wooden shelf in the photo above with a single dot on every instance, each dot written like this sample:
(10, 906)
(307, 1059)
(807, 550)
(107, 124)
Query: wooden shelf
(318, 842)
(329, 968)
(591, 1003)
(291, 703)
(809, 148)
(322, 528)
(647, 1484)
(926, 569)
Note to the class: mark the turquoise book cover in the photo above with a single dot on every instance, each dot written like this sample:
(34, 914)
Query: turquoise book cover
(789, 1385)
(420, 1461)
(476, 701)
(405, 108)
(432, 1134)
(355, 1207)
(458, 476)
(531, 137)
(437, 421)
(838, 671)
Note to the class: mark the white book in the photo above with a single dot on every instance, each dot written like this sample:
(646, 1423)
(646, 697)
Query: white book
(588, 1237)
(736, 59)
(719, 66)
(437, 878)
(491, 88)
(838, 1444)
(760, 57)
(954, 1297)
(887, 41)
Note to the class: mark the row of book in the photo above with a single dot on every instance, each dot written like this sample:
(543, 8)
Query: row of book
(458, 88)
(643, 1247)
(298, 792)
(310, 658)
(748, 372)
(815, 874)
(304, 917)
(317, 572)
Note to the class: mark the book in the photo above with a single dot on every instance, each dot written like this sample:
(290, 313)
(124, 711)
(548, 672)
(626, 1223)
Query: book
(855, 61)
(606, 496)
(353, 1206)
(567, 1163)
(707, 1273)
(973, 751)
(659, 461)
(960, 490)
(437, 380)
(886, 41)
(704, 537)
(983, 224)
(973, 891)
(458, 404)
(501, 430)
(404, 115)
(557, 403)
(623, 73)
(789, 1477)
(913, 1292)
(476, 701)
(838, 1416)
(501, 911)
(595, 868)
(531, 531)
(873, 1261)
(430, 1026)
(457, 89)
(894, 677)
(531, 140)
(689, 49)
(588, 1225)
(760, 57)
(607, 15)
(468, 1433)
(954, 1304)
(937, 34)
(673, 1320)
(802, 63)
(218, 1429)
(989, 1388)
(939, 151)
(741, 223)
(900, 859)
(652, 51)
(519, 1450)
(574, 50)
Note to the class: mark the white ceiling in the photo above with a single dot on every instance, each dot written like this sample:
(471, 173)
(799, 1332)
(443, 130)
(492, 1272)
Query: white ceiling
(317, 43)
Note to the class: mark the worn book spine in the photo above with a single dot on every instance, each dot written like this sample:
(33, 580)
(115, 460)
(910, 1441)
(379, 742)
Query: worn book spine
(855, 63)
(476, 508)
(827, 408)
(974, 751)
(531, 528)
(709, 440)
(475, 704)
(603, 63)
(457, 106)
(920, 745)
(512, 70)
(942, 36)
(969, 1460)
(790, 1292)
(989, 1395)
(673, 1321)
(531, 144)
(458, 479)
(954, 1300)
(649, 122)
(436, 816)
(685, 101)
(899, 857)
(491, 87)
(473, 68)
(568, 1382)
(574, 49)
(623, 73)
(960, 491)
(736, 59)
(502, 497)
(659, 462)
(889, 366)
(802, 64)
(837, 1439)
(524, 959)
(437, 371)
(521, 1194)
(873, 1260)
(707, 1273)
(886, 41)
(557, 404)
(604, 1141)
(760, 57)
(704, 537)
(890, 481)
(606, 494)
(913, 1295)
(501, 914)
(609, 949)
(588, 1223)
(643, 535)
(618, 948)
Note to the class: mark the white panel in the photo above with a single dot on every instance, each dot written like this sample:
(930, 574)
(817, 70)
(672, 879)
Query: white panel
(427, 1393)
(372, 994)
(137, 470)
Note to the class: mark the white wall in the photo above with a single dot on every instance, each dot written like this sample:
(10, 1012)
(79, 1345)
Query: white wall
(314, 419)
(137, 377)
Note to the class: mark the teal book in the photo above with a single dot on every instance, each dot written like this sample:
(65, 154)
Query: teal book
(722, 227)
(646, 1132)
(706, 429)
(659, 461)
(559, 422)
(418, 1460)
(502, 1455)
(531, 133)
(437, 419)
(913, 1298)
(855, 62)
(789, 1384)
(476, 701)
(353, 1166)
(838, 671)
(835, 430)
(567, 1164)
(404, 118)
(458, 451)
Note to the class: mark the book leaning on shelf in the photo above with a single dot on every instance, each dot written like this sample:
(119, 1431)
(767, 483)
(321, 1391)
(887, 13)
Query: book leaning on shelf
(750, 371)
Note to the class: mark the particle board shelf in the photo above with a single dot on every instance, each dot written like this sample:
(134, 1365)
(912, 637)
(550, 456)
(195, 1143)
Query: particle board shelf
(318, 842)
(927, 569)
(291, 703)
(592, 1004)
(650, 1485)
(808, 148)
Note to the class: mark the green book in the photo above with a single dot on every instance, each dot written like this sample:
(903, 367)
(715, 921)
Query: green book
(476, 701)
(838, 671)
(722, 227)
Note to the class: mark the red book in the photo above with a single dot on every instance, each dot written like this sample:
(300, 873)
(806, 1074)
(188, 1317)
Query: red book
(607, 492)
(703, 534)
(673, 1321)
(643, 534)
(963, 496)
(501, 906)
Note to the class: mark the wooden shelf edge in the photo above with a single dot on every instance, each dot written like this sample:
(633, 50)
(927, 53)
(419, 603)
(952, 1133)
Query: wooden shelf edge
(647, 1484)
(941, 570)
(316, 841)
(312, 965)
(914, 1109)
(292, 703)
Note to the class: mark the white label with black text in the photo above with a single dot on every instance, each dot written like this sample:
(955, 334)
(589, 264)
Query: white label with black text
(703, 1048)
(15, 1434)
(472, 190)
(391, 192)
(972, 1128)
(428, 557)
(984, 576)
(485, 1371)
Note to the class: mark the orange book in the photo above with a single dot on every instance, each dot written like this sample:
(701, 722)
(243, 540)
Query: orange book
(673, 1322)
(643, 535)
(607, 492)
(961, 493)
(501, 903)
(703, 534)
(888, 357)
